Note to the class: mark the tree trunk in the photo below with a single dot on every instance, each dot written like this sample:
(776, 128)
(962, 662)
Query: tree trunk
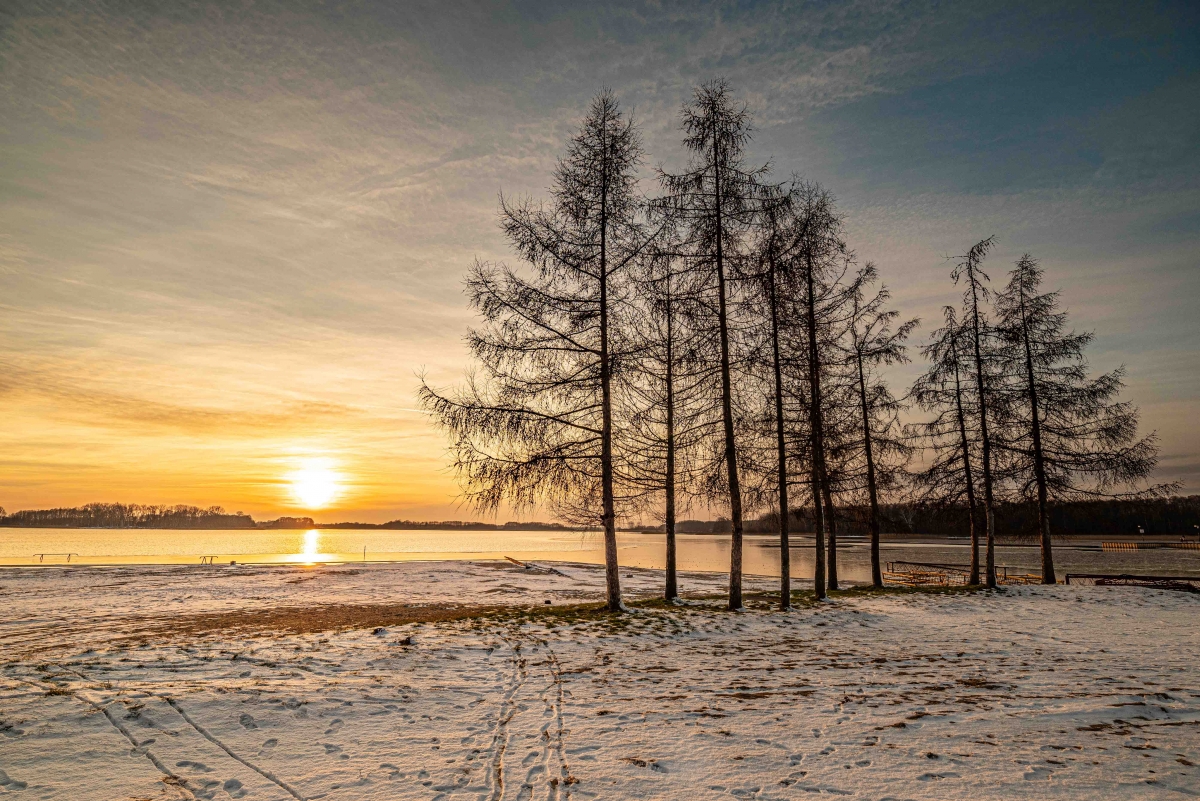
(785, 553)
(988, 501)
(735, 492)
(972, 514)
(831, 528)
(611, 569)
(816, 436)
(1039, 464)
(672, 589)
(872, 492)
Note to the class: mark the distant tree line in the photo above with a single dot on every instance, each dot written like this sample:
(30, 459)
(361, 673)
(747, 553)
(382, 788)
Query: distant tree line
(132, 515)
(118, 515)
(715, 342)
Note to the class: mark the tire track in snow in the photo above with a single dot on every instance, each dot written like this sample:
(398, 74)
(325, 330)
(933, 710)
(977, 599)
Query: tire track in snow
(565, 779)
(176, 780)
(508, 709)
(266, 774)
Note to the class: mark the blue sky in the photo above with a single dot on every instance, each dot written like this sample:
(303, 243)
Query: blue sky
(230, 234)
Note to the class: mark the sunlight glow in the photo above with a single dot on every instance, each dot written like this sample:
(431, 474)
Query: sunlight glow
(310, 543)
(315, 483)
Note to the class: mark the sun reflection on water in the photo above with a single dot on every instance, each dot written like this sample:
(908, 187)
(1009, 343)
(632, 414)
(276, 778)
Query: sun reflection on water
(310, 549)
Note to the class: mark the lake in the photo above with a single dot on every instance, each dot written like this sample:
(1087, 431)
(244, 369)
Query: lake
(699, 552)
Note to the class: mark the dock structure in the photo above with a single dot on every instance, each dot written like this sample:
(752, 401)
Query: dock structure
(931, 574)
(41, 557)
(1184, 583)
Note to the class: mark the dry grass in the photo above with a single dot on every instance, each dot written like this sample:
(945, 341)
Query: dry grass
(311, 619)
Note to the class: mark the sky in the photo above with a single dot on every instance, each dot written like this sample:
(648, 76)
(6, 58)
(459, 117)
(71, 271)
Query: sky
(232, 235)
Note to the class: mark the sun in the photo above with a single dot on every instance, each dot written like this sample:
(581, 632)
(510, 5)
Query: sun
(315, 484)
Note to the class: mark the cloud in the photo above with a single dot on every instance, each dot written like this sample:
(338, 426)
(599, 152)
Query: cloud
(240, 224)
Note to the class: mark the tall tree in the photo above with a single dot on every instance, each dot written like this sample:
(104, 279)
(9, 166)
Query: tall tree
(1067, 434)
(776, 253)
(874, 344)
(715, 199)
(946, 390)
(822, 259)
(535, 423)
(662, 398)
(982, 341)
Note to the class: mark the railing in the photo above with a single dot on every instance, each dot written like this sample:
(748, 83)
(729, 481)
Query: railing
(926, 574)
(41, 557)
(207, 560)
(1186, 583)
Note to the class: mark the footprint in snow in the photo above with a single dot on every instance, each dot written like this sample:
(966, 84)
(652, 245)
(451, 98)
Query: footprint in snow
(247, 721)
(199, 766)
(933, 777)
(268, 746)
(234, 788)
(11, 784)
(335, 726)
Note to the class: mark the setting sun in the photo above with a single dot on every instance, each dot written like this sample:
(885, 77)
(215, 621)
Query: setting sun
(315, 483)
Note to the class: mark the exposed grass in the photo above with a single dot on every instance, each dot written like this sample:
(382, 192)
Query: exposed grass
(645, 612)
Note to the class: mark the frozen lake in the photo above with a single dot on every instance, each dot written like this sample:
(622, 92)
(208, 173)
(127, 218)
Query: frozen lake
(697, 552)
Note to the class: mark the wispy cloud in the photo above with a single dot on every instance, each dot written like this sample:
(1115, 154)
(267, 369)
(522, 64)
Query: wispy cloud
(227, 230)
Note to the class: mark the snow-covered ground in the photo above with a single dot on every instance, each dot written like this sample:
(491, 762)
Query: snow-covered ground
(164, 682)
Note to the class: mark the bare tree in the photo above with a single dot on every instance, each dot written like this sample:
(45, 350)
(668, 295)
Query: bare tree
(715, 200)
(822, 262)
(982, 341)
(776, 252)
(535, 422)
(946, 390)
(1067, 434)
(663, 397)
(874, 344)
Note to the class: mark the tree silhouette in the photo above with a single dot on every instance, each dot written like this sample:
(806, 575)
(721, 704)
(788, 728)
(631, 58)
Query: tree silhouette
(1066, 434)
(874, 344)
(946, 390)
(715, 200)
(535, 423)
(983, 347)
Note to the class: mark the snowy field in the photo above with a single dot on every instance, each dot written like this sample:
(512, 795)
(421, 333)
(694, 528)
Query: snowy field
(457, 680)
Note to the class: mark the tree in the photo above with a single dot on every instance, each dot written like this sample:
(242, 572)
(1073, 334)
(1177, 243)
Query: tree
(776, 254)
(946, 390)
(715, 200)
(662, 398)
(822, 260)
(874, 344)
(982, 341)
(1067, 435)
(536, 422)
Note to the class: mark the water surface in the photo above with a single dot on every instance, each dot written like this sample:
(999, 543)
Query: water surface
(699, 552)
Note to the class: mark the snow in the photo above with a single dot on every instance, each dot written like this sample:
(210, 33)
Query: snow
(185, 682)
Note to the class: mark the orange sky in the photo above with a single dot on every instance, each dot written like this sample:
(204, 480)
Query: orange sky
(231, 236)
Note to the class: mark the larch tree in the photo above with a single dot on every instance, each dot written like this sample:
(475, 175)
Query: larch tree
(534, 422)
(663, 396)
(876, 342)
(1067, 435)
(950, 439)
(822, 260)
(982, 340)
(715, 200)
